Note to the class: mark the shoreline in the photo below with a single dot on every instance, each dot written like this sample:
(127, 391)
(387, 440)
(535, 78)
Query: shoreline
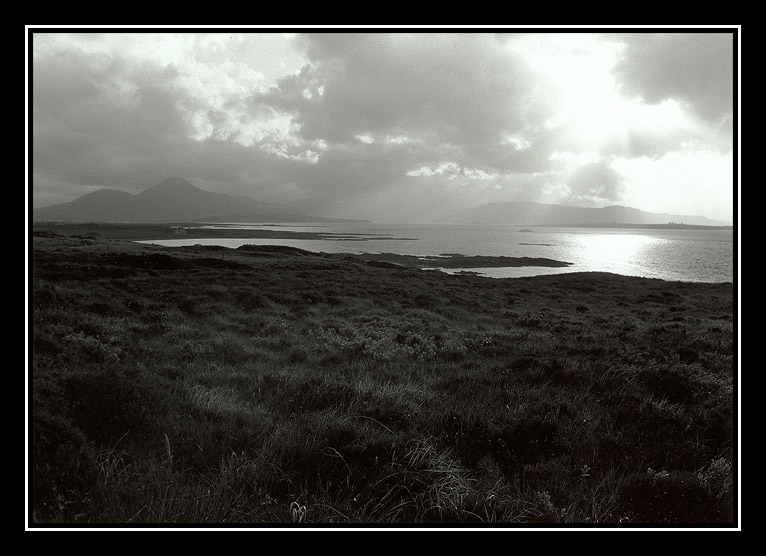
(456, 261)
(150, 232)
(204, 230)
(171, 230)
(262, 378)
(445, 262)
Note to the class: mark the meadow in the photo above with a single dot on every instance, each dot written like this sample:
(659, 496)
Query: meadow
(269, 385)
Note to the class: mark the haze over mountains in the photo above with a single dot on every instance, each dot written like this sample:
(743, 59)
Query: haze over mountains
(172, 200)
(530, 213)
(177, 200)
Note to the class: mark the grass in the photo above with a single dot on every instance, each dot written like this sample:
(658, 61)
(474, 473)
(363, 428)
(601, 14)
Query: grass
(274, 386)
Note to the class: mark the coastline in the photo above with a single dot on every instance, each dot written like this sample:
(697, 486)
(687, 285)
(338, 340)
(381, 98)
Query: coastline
(389, 245)
(261, 379)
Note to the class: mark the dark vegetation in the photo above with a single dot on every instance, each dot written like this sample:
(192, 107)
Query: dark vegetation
(272, 385)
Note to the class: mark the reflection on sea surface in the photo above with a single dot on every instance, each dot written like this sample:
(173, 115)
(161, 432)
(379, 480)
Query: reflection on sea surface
(686, 255)
(622, 253)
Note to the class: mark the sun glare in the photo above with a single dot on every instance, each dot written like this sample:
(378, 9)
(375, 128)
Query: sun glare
(616, 252)
(590, 108)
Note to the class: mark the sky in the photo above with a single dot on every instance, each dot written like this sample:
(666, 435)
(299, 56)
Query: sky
(391, 125)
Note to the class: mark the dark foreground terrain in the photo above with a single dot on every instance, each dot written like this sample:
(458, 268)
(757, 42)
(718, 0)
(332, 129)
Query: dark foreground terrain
(271, 385)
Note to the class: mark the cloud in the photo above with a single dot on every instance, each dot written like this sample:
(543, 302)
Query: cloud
(91, 126)
(368, 119)
(457, 89)
(392, 106)
(595, 182)
(128, 119)
(696, 69)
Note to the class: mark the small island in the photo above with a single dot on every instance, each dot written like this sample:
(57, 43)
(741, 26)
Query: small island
(456, 260)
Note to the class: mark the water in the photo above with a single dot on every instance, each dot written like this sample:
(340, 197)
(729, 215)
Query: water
(685, 255)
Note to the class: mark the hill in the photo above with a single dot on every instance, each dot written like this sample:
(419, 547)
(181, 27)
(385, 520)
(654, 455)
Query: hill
(530, 213)
(174, 199)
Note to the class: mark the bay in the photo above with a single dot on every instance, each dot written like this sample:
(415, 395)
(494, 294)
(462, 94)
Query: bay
(691, 255)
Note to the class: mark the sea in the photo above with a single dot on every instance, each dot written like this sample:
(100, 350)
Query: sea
(689, 255)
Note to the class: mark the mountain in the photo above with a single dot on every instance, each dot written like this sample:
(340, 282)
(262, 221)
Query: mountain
(172, 200)
(529, 213)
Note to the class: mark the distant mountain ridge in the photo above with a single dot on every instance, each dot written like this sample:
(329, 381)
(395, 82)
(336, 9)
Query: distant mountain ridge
(531, 213)
(174, 199)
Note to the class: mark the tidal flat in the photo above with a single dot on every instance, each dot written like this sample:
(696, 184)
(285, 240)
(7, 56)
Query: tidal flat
(269, 385)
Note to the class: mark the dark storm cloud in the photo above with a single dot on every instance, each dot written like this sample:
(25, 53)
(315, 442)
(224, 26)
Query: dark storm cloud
(596, 181)
(694, 68)
(357, 117)
(462, 89)
(417, 101)
(103, 121)
(89, 129)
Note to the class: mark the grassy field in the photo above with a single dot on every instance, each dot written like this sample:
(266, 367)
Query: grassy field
(275, 386)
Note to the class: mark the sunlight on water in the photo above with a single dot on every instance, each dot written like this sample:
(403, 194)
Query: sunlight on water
(619, 250)
(688, 255)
